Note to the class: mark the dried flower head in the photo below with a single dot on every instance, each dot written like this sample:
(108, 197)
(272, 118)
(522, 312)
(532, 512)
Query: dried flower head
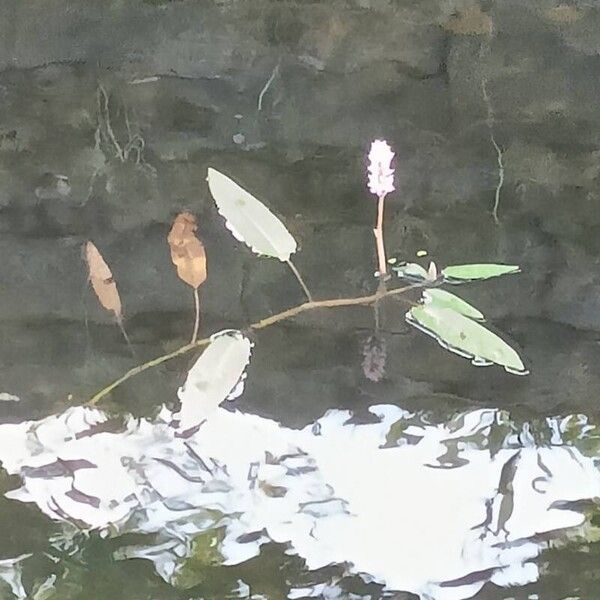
(381, 174)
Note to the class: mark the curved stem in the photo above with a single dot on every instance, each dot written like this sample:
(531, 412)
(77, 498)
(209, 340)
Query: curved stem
(144, 367)
(500, 181)
(122, 328)
(197, 321)
(499, 154)
(286, 314)
(267, 85)
(109, 129)
(300, 280)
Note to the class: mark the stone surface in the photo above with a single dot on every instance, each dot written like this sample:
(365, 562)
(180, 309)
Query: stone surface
(112, 113)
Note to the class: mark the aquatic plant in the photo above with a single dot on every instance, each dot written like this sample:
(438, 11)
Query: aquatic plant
(380, 183)
(189, 258)
(251, 222)
(455, 324)
(102, 281)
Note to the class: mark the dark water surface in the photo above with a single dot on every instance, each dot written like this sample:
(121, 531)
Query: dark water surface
(110, 114)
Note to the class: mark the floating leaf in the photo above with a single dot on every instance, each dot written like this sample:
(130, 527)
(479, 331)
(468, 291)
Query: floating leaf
(214, 376)
(459, 334)
(463, 273)
(187, 251)
(443, 299)
(101, 278)
(411, 272)
(249, 220)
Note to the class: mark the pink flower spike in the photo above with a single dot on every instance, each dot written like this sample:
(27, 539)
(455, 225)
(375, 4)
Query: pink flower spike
(381, 174)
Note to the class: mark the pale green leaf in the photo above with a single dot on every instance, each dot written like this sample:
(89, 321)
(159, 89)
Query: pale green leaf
(216, 375)
(461, 335)
(463, 273)
(411, 272)
(249, 220)
(442, 299)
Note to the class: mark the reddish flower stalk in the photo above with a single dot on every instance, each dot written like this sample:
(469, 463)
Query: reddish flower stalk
(381, 183)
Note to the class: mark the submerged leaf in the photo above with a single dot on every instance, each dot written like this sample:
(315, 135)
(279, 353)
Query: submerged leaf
(101, 278)
(250, 220)
(204, 554)
(442, 299)
(463, 273)
(187, 251)
(461, 335)
(214, 376)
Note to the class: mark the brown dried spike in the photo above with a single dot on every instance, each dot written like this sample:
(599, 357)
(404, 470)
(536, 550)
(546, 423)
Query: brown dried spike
(184, 227)
(187, 251)
(101, 278)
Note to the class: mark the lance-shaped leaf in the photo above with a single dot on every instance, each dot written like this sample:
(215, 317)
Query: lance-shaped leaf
(101, 278)
(215, 376)
(187, 251)
(474, 272)
(459, 334)
(442, 299)
(249, 220)
(411, 272)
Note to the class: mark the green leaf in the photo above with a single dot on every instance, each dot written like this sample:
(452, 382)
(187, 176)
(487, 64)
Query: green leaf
(463, 273)
(205, 553)
(411, 272)
(215, 376)
(442, 299)
(249, 220)
(459, 334)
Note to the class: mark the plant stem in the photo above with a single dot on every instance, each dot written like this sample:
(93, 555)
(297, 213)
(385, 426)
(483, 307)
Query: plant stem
(378, 232)
(300, 280)
(144, 367)
(109, 129)
(499, 154)
(122, 328)
(197, 320)
(500, 181)
(267, 85)
(381, 289)
(262, 324)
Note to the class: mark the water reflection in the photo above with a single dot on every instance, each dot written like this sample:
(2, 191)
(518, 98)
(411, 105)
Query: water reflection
(436, 509)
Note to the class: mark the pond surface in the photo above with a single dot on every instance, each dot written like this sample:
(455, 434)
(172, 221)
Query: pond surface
(438, 478)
